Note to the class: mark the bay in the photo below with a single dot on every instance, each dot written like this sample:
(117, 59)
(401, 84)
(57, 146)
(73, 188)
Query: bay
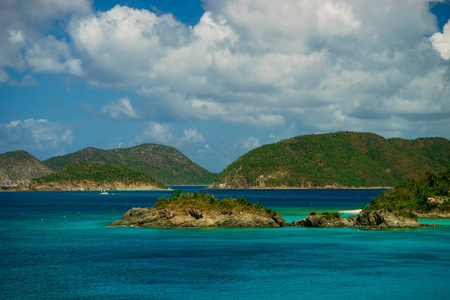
(56, 245)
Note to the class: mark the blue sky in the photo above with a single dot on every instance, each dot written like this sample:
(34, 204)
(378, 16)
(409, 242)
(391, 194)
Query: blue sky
(216, 79)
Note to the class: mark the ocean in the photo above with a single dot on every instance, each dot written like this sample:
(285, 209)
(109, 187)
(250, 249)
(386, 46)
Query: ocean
(56, 245)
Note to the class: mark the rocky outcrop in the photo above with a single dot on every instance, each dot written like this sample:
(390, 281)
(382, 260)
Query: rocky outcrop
(434, 214)
(385, 219)
(381, 219)
(189, 217)
(325, 222)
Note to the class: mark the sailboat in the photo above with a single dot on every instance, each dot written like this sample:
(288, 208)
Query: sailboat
(103, 191)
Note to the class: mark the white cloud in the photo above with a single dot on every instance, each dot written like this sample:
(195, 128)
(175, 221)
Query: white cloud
(322, 64)
(164, 133)
(261, 62)
(51, 55)
(441, 41)
(34, 134)
(156, 133)
(191, 136)
(120, 110)
(336, 18)
(247, 144)
(23, 27)
(123, 45)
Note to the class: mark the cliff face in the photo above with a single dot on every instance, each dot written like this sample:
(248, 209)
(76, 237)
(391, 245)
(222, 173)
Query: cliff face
(20, 167)
(187, 217)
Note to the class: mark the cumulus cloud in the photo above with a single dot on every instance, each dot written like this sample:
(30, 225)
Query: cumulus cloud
(260, 63)
(322, 64)
(191, 136)
(156, 133)
(34, 134)
(164, 133)
(120, 110)
(24, 42)
(52, 56)
(441, 42)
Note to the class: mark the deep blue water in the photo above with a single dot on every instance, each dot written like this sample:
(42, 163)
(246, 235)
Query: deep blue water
(58, 245)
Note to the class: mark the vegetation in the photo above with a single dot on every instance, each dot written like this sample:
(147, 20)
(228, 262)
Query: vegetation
(342, 159)
(99, 173)
(424, 194)
(204, 201)
(328, 215)
(165, 163)
(20, 166)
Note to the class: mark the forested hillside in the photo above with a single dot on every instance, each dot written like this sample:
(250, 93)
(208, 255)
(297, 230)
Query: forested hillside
(342, 159)
(165, 163)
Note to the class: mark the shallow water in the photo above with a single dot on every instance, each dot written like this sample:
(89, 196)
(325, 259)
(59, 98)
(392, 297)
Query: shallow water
(58, 245)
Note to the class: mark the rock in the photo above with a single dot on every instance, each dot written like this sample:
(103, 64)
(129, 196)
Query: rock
(386, 219)
(195, 218)
(381, 219)
(323, 221)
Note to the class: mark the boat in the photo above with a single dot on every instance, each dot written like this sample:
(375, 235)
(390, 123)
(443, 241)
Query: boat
(103, 191)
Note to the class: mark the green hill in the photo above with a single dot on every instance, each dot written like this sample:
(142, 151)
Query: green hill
(426, 196)
(342, 159)
(20, 167)
(93, 176)
(165, 163)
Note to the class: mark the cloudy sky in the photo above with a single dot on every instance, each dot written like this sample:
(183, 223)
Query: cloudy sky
(216, 79)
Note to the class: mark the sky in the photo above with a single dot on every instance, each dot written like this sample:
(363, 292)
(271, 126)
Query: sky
(218, 78)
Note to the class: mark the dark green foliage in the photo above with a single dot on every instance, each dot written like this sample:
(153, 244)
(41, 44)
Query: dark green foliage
(331, 215)
(100, 173)
(342, 159)
(165, 163)
(204, 201)
(422, 194)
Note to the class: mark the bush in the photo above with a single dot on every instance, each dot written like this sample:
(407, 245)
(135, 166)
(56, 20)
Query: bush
(331, 215)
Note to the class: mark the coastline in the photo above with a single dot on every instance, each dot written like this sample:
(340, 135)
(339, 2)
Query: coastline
(303, 188)
(354, 211)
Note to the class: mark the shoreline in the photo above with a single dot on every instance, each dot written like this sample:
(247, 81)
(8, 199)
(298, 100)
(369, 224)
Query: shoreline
(304, 188)
(354, 211)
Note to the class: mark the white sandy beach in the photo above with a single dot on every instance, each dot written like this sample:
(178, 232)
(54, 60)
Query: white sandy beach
(355, 211)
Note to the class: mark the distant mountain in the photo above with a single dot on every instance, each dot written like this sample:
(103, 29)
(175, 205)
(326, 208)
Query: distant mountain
(335, 160)
(165, 163)
(20, 167)
(94, 176)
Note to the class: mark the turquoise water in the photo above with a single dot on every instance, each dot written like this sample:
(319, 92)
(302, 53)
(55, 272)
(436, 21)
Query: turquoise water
(58, 245)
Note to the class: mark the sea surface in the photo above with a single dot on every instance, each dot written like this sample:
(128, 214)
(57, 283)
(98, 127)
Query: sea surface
(56, 245)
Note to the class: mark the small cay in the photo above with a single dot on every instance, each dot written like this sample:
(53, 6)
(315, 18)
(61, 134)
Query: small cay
(199, 210)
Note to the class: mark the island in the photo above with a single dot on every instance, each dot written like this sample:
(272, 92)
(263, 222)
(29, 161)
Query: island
(425, 197)
(335, 161)
(398, 208)
(93, 177)
(200, 210)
